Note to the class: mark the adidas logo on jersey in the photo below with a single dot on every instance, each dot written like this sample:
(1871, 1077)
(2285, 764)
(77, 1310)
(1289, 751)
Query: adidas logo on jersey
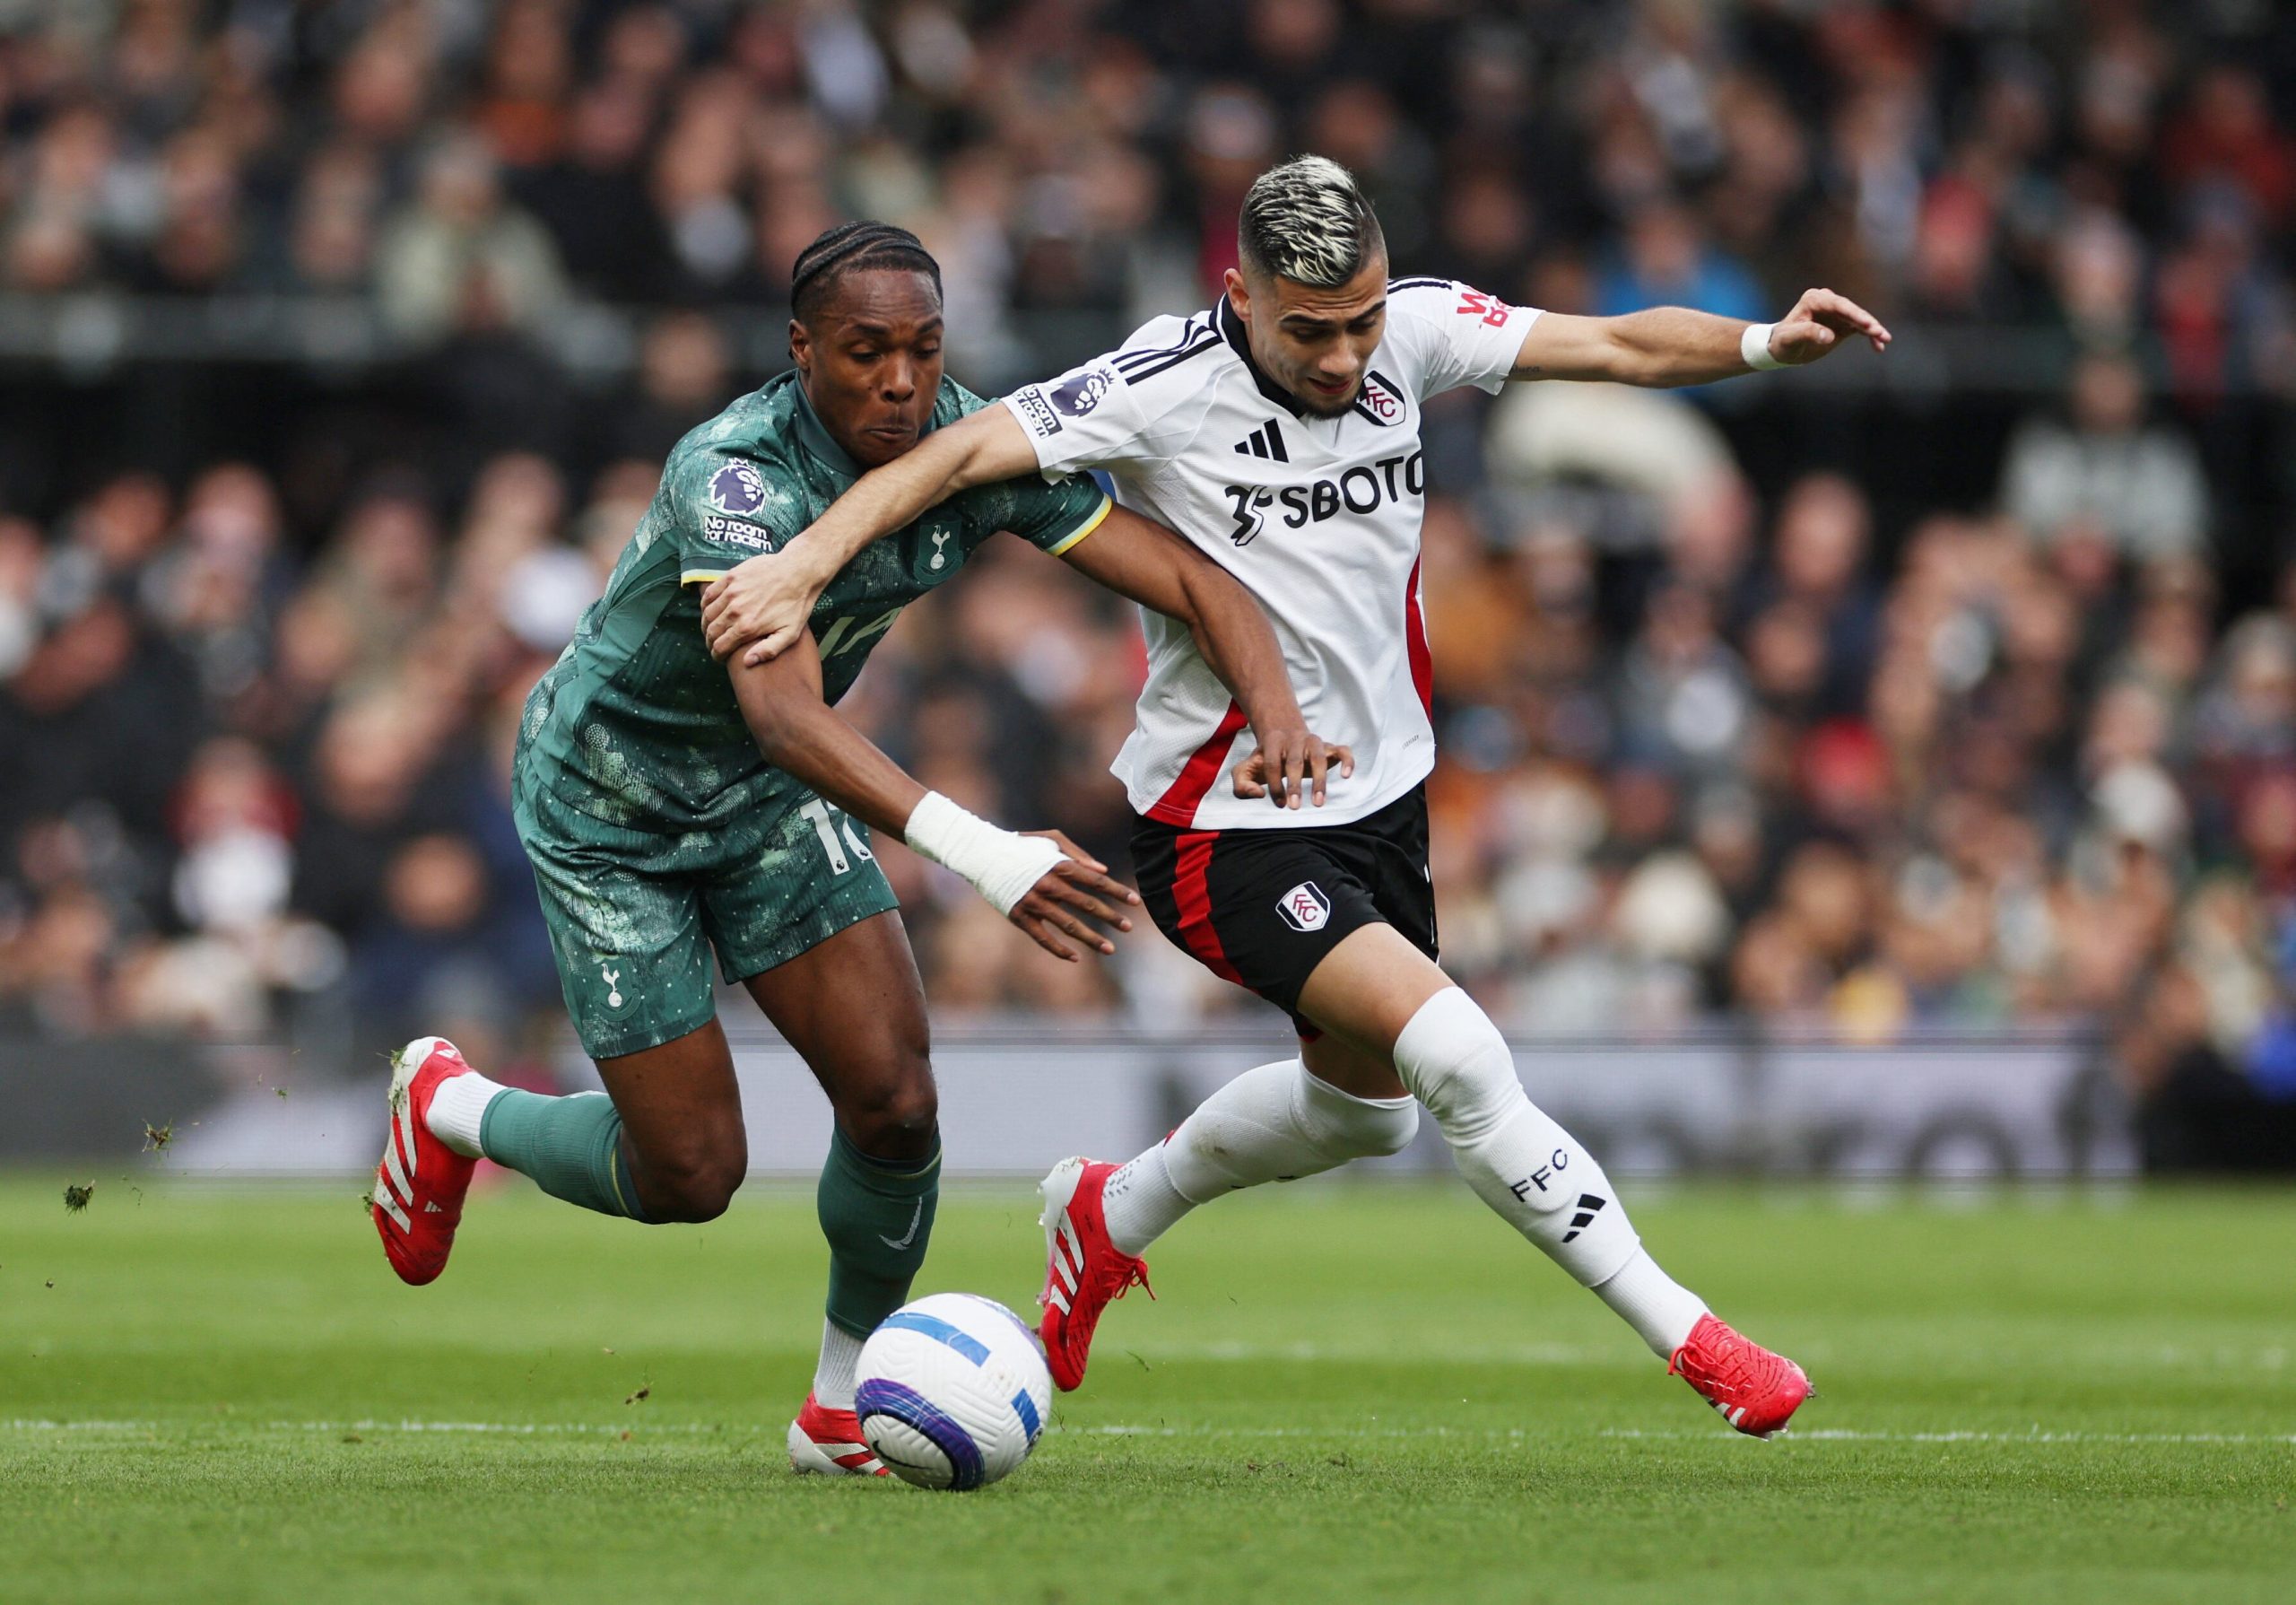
(1266, 440)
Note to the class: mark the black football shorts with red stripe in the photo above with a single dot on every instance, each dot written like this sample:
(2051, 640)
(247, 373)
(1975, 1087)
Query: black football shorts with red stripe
(1261, 908)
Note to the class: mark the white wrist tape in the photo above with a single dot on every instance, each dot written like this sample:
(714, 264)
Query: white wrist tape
(1753, 348)
(1002, 864)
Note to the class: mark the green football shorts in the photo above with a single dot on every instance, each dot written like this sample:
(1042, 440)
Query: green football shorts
(633, 914)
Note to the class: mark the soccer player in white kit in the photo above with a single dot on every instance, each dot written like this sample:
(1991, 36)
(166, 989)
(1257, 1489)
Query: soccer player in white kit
(1279, 431)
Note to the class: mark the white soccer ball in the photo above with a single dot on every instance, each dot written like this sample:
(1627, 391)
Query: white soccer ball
(952, 1392)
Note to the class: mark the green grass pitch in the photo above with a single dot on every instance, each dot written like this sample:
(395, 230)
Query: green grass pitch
(1347, 1392)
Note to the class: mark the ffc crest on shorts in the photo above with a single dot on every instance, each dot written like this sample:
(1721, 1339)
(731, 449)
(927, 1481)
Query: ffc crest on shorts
(737, 488)
(1304, 907)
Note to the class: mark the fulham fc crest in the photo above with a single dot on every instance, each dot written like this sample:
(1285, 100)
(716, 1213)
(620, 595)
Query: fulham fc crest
(1304, 907)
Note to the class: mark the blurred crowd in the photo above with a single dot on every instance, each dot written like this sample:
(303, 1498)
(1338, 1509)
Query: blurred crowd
(2114, 168)
(1708, 745)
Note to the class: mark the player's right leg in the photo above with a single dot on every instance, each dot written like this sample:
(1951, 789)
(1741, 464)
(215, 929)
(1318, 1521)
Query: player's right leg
(1224, 897)
(665, 1141)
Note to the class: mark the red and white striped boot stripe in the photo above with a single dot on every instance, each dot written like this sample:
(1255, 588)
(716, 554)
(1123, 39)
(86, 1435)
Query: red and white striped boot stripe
(1067, 1265)
(420, 1182)
(1084, 1270)
(827, 1443)
(396, 1197)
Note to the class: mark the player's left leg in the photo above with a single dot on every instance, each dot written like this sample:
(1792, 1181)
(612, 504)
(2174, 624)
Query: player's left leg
(807, 922)
(1387, 1003)
(854, 1008)
(1377, 990)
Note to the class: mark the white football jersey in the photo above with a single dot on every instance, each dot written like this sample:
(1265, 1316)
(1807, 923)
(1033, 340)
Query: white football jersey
(1319, 517)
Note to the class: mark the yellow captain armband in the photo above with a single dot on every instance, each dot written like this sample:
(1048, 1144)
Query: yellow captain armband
(702, 576)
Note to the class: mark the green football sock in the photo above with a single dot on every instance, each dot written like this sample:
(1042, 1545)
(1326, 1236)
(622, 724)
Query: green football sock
(572, 1147)
(878, 1216)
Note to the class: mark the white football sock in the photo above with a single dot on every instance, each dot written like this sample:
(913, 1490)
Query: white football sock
(834, 1373)
(1655, 1305)
(458, 1109)
(1276, 1123)
(1140, 1203)
(1529, 1170)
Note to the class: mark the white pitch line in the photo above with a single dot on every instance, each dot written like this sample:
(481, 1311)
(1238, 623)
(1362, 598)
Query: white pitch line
(1970, 1435)
(1820, 1435)
(511, 1429)
(1612, 1357)
(2038, 1437)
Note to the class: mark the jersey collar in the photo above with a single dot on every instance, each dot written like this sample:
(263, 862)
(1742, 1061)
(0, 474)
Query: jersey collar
(1232, 327)
(814, 436)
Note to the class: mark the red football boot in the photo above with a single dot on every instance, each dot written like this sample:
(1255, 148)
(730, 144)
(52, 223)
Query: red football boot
(1084, 1270)
(1755, 1391)
(827, 1443)
(419, 1186)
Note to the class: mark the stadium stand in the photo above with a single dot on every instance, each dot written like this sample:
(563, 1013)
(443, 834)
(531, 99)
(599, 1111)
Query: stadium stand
(345, 340)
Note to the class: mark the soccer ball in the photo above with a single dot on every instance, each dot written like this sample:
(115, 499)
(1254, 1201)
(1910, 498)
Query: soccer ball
(952, 1392)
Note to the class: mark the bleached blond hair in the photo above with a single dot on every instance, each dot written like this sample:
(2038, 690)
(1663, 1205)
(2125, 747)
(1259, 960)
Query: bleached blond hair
(1306, 221)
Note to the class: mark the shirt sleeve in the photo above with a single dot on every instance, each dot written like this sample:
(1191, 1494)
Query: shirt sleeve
(1087, 418)
(1124, 409)
(1455, 334)
(1050, 515)
(723, 508)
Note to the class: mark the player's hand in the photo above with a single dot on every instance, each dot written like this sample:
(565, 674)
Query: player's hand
(1820, 321)
(1288, 763)
(1073, 891)
(764, 602)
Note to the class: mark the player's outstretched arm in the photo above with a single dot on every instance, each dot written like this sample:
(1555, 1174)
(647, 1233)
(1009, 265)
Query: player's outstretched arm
(1139, 558)
(1674, 345)
(764, 602)
(1042, 882)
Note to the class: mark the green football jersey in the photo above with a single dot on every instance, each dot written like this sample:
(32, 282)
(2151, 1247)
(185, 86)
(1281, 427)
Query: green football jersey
(636, 724)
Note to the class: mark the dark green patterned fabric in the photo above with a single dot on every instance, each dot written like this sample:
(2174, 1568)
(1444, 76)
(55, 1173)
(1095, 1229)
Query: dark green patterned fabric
(657, 831)
(636, 724)
(633, 916)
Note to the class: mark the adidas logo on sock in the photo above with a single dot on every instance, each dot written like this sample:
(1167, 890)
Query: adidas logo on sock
(1266, 440)
(1589, 1206)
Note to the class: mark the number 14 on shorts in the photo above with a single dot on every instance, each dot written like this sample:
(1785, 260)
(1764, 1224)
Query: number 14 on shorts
(837, 835)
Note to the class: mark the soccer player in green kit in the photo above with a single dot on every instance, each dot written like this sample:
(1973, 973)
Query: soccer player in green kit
(671, 805)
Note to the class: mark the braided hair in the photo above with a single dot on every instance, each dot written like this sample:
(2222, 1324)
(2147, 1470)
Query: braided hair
(849, 248)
